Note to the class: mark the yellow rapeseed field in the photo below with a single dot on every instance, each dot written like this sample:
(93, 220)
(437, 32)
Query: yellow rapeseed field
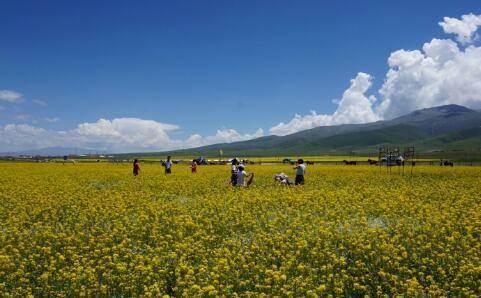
(95, 230)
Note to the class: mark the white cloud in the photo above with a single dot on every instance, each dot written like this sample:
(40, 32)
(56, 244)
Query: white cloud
(464, 28)
(39, 102)
(354, 107)
(24, 136)
(52, 119)
(117, 135)
(227, 135)
(10, 96)
(439, 74)
(442, 72)
(125, 134)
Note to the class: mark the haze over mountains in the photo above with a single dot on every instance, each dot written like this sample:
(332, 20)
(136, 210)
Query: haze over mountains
(443, 127)
(439, 128)
(53, 151)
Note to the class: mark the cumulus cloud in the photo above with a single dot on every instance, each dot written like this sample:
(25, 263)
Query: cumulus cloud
(354, 107)
(24, 136)
(116, 135)
(227, 135)
(442, 72)
(125, 133)
(10, 96)
(464, 28)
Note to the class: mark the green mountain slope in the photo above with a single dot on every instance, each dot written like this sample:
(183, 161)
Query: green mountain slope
(467, 138)
(450, 126)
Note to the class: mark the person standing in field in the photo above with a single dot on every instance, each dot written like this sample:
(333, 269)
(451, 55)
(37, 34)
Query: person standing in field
(241, 163)
(234, 172)
(136, 167)
(193, 166)
(241, 175)
(168, 165)
(300, 170)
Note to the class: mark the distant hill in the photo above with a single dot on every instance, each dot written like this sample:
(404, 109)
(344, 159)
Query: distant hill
(51, 151)
(435, 128)
(446, 127)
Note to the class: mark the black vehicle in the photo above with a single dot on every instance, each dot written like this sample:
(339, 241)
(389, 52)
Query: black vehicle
(200, 160)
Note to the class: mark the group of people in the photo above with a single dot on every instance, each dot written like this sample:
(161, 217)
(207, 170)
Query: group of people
(300, 168)
(239, 176)
(166, 164)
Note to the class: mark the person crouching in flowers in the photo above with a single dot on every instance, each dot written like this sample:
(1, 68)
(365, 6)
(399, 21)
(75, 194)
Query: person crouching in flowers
(300, 170)
(242, 175)
(136, 167)
(283, 179)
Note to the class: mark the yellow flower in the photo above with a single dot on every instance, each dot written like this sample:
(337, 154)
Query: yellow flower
(92, 230)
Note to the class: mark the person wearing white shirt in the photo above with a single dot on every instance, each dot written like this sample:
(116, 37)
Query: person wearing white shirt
(241, 175)
(168, 165)
(300, 170)
(234, 172)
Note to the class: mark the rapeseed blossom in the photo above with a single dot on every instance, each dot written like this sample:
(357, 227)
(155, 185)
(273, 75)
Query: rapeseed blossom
(94, 230)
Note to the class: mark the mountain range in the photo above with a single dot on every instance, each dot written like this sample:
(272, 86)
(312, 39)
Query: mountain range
(448, 127)
(52, 151)
(445, 127)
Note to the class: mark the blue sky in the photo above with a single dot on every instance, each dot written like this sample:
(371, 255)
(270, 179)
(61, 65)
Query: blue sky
(201, 66)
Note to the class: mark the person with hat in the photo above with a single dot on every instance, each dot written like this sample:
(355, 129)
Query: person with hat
(242, 175)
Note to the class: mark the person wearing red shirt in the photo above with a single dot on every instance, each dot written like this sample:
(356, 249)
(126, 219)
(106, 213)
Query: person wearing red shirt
(194, 166)
(136, 167)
